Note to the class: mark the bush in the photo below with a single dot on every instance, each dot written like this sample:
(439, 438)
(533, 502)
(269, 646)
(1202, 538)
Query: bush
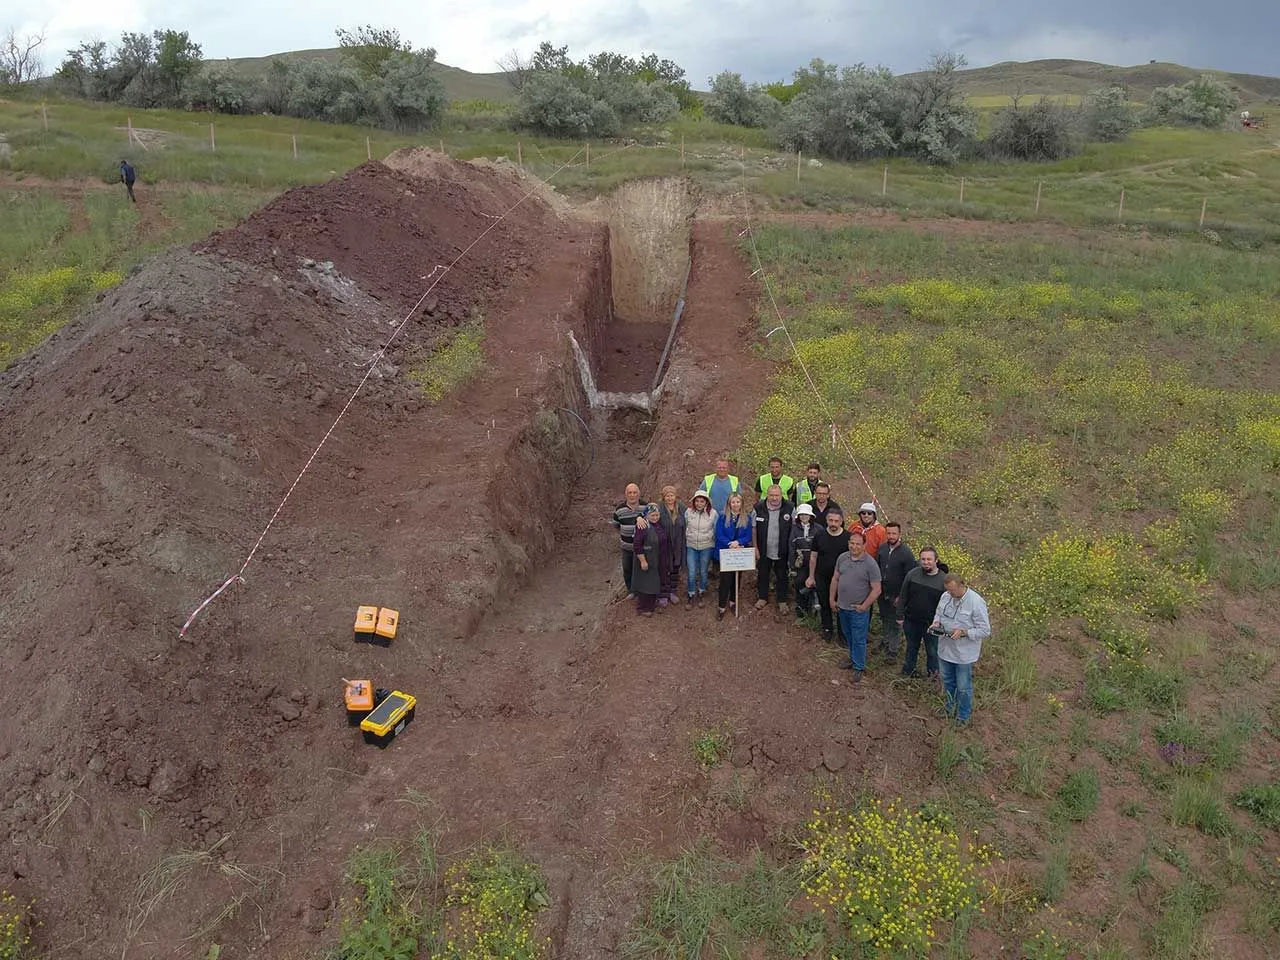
(219, 91)
(554, 104)
(1203, 102)
(1108, 116)
(1043, 131)
(848, 114)
(732, 101)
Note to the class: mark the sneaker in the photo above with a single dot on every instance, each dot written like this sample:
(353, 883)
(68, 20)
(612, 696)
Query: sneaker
(761, 604)
(784, 607)
(689, 603)
(959, 724)
(720, 613)
(858, 675)
(663, 601)
(675, 599)
(848, 665)
(828, 635)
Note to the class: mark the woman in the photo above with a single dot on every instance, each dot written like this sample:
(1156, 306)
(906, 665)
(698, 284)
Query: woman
(700, 542)
(732, 530)
(672, 517)
(651, 551)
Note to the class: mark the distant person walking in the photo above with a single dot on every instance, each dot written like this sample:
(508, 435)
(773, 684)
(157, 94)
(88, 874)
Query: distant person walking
(700, 542)
(964, 623)
(127, 177)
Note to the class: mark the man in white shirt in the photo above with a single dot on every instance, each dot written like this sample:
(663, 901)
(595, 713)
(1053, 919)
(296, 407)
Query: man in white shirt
(962, 623)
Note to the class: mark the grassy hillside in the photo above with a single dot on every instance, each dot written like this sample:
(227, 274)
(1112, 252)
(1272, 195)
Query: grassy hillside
(458, 84)
(1078, 77)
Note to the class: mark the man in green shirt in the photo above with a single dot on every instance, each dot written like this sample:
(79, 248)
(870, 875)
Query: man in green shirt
(775, 478)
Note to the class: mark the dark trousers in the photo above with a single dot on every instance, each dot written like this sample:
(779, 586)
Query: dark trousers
(804, 596)
(823, 589)
(628, 564)
(728, 589)
(916, 635)
(778, 570)
(888, 625)
(129, 187)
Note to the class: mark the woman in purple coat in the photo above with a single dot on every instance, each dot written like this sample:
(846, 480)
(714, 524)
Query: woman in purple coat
(652, 551)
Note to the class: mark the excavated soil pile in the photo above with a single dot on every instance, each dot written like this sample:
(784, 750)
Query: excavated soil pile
(143, 449)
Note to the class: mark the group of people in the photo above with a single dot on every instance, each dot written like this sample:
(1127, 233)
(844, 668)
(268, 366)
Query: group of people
(841, 568)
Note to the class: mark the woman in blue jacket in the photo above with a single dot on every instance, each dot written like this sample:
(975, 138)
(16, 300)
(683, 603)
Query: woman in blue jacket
(732, 530)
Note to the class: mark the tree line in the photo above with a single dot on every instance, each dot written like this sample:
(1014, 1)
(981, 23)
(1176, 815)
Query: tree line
(843, 113)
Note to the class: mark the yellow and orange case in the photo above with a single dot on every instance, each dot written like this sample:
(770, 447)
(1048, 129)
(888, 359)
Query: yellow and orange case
(389, 718)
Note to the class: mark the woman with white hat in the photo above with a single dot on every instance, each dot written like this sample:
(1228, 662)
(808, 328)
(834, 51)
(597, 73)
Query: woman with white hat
(799, 547)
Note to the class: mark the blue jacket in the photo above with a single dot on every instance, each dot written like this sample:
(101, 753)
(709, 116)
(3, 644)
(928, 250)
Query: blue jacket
(126, 173)
(727, 532)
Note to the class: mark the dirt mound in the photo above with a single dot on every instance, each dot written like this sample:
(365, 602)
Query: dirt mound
(428, 164)
(397, 232)
(143, 449)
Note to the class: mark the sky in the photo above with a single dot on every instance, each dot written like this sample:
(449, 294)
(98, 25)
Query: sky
(764, 40)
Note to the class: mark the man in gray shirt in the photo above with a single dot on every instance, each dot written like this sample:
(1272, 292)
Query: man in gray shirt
(855, 586)
(770, 534)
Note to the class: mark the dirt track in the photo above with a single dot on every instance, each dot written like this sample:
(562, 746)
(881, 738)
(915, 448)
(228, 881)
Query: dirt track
(143, 451)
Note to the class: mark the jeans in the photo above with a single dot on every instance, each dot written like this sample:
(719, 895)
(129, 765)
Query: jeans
(628, 564)
(916, 633)
(854, 627)
(775, 568)
(957, 681)
(888, 626)
(697, 562)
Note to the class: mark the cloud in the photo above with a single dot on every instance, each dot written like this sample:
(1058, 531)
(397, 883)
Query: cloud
(761, 39)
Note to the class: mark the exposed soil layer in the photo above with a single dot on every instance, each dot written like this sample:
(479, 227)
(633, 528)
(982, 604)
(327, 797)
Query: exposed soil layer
(629, 358)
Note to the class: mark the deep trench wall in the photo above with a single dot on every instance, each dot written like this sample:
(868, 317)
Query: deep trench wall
(650, 225)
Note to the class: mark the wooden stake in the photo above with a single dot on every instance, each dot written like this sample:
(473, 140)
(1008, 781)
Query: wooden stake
(1038, 186)
(962, 189)
(44, 112)
(682, 151)
(442, 146)
(295, 146)
(884, 183)
(588, 153)
(519, 156)
(798, 152)
(213, 145)
(1121, 214)
(368, 149)
(130, 133)
(1204, 206)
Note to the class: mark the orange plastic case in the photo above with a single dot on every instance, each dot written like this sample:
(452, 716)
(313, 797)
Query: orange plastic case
(385, 631)
(366, 623)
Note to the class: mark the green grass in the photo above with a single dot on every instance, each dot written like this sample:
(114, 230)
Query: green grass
(1077, 798)
(711, 747)
(1263, 801)
(1198, 803)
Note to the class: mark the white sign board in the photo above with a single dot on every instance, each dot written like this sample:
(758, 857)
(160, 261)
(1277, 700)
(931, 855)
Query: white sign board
(735, 559)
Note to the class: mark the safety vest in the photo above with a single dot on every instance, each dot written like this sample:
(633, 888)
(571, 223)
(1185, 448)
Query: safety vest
(784, 482)
(805, 492)
(710, 478)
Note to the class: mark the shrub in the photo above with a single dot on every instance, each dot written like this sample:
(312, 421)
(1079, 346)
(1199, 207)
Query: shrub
(890, 875)
(218, 91)
(1042, 131)
(1108, 117)
(732, 101)
(1205, 101)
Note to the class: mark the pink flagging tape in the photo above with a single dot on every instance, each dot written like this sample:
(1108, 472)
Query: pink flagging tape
(213, 596)
(437, 274)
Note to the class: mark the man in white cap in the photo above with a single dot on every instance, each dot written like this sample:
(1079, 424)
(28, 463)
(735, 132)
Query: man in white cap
(867, 524)
(803, 529)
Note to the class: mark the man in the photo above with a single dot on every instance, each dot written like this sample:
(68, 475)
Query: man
(964, 622)
(719, 485)
(775, 476)
(823, 504)
(803, 530)
(896, 560)
(770, 535)
(828, 545)
(869, 527)
(917, 603)
(855, 585)
(624, 520)
(127, 177)
(804, 489)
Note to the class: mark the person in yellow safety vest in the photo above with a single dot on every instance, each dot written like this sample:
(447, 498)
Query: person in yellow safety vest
(775, 477)
(719, 485)
(806, 488)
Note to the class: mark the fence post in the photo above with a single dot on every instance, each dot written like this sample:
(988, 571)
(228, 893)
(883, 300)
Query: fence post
(588, 153)
(442, 145)
(368, 149)
(884, 183)
(1038, 187)
(295, 146)
(44, 113)
(682, 151)
(130, 130)
(1120, 216)
(213, 144)
(962, 189)
(519, 156)
(1204, 205)
(798, 166)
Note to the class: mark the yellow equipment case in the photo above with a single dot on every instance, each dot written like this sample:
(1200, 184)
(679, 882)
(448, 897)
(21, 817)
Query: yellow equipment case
(389, 718)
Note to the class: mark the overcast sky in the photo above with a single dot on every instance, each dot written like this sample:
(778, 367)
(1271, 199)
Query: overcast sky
(762, 39)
